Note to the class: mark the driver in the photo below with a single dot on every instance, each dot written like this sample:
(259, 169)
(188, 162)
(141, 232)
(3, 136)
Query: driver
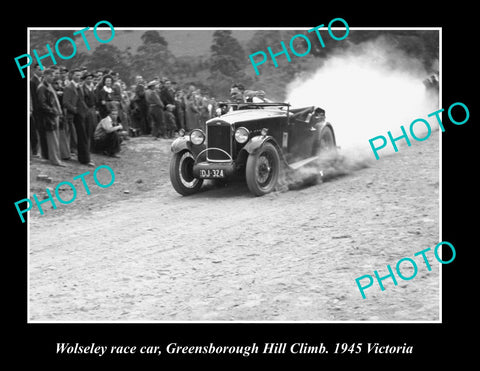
(238, 94)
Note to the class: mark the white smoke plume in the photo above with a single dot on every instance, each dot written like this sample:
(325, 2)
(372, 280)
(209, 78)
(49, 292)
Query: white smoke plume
(366, 91)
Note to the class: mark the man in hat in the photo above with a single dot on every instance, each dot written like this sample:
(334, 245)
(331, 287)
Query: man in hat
(238, 94)
(65, 80)
(83, 70)
(64, 75)
(97, 80)
(49, 113)
(166, 93)
(180, 109)
(65, 127)
(117, 90)
(37, 134)
(140, 113)
(117, 98)
(74, 103)
(89, 96)
(155, 110)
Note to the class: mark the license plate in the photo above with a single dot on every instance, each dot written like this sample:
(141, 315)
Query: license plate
(212, 173)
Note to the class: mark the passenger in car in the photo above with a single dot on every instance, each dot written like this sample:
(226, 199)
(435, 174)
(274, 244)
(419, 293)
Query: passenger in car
(238, 94)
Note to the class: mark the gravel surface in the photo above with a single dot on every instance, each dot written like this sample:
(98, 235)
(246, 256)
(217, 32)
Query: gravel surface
(138, 251)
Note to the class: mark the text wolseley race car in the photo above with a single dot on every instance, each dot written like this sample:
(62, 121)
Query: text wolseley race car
(259, 139)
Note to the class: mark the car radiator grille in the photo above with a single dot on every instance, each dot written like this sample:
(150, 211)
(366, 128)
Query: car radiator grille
(219, 136)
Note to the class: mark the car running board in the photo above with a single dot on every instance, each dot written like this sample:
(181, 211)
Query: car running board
(299, 164)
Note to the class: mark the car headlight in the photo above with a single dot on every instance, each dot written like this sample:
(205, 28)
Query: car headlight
(241, 135)
(197, 137)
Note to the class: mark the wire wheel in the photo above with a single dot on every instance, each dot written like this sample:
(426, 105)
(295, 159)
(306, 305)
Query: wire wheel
(262, 170)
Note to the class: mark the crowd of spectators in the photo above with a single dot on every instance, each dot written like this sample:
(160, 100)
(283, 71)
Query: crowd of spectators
(77, 112)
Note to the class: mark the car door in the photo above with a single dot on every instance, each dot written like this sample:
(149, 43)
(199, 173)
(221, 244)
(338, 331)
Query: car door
(301, 136)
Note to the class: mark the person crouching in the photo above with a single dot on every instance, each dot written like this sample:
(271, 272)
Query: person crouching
(107, 137)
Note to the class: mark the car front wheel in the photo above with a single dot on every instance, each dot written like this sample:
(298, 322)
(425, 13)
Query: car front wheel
(181, 174)
(262, 170)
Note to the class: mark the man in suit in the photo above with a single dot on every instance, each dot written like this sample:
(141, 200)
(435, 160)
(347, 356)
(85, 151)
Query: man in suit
(64, 137)
(89, 95)
(74, 103)
(180, 109)
(141, 107)
(117, 99)
(166, 93)
(49, 114)
(37, 135)
(155, 109)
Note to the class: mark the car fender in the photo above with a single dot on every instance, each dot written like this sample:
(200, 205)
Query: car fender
(326, 123)
(184, 143)
(322, 125)
(319, 128)
(255, 143)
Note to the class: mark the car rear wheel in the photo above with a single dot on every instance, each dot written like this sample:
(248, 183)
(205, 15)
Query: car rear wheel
(327, 153)
(262, 170)
(181, 174)
(326, 141)
(325, 148)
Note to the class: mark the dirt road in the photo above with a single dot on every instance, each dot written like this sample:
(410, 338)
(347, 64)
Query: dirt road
(137, 251)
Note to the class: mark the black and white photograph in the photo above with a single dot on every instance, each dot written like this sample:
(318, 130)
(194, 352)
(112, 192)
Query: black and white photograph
(235, 196)
(290, 186)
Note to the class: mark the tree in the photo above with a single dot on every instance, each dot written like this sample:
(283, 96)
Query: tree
(153, 37)
(40, 38)
(262, 39)
(110, 57)
(228, 56)
(153, 57)
(227, 63)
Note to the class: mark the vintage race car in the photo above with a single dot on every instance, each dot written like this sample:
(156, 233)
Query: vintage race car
(257, 140)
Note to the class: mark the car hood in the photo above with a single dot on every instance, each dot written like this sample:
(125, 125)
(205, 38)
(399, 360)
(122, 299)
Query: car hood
(249, 115)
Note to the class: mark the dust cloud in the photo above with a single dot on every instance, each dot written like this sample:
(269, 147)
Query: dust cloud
(367, 90)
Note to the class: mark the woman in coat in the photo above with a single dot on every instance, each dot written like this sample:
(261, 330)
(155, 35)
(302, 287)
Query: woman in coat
(105, 100)
(191, 113)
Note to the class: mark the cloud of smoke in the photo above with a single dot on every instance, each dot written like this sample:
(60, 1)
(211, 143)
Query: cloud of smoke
(366, 91)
